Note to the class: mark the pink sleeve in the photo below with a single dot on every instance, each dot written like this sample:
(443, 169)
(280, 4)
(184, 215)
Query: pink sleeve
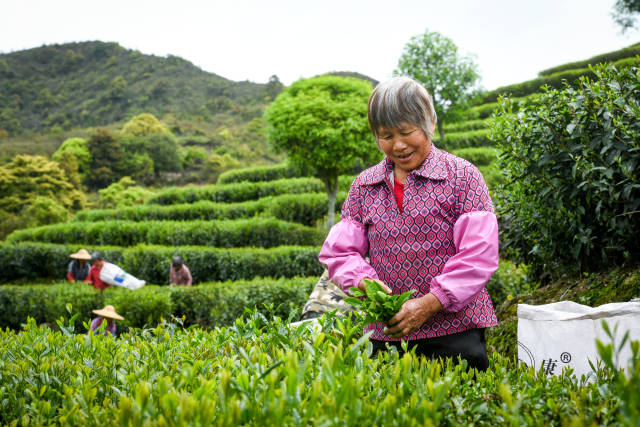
(343, 253)
(465, 274)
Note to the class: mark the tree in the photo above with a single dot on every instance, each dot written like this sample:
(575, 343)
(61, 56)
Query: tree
(625, 13)
(106, 158)
(35, 191)
(273, 87)
(122, 194)
(144, 124)
(321, 123)
(80, 150)
(145, 134)
(433, 60)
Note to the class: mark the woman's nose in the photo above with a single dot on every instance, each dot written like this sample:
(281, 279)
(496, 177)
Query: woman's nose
(399, 144)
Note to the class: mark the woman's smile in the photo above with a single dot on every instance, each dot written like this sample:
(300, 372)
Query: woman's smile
(406, 146)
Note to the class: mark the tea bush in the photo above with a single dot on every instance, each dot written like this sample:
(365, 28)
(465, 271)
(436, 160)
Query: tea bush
(301, 208)
(258, 232)
(260, 173)
(472, 138)
(240, 192)
(556, 80)
(466, 125)
(627, 52)
(483, 111)
(510, 281)
(27, 261)
(572, 183)
(479, 156)
(206, 305)
(263, 372)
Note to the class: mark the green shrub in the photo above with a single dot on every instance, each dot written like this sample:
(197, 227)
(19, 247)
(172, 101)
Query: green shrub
(207, 305)
(466, 125)
(240, 192)
(258, 232)
(556, 80)
(572, 186)
(123, 193)
(259, 371)
(260, 173)
(483, 111)
(479, 156)
(151, 263)
(626, 53)
(509, 281)
(79, 148)
(301, 208)
(492, 175)
(456, 140)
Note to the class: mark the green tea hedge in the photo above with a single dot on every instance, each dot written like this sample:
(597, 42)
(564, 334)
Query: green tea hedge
(572, 177)
(479, 156)
(243, 191)
(260, 173)
(627, 52)
(23, 261)
(206, 305)
(456, 140)
(258, 232)
(556, 80)
(262, 372)
(301, 208)
(466, 125)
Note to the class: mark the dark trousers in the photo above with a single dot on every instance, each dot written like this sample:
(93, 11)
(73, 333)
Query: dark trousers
(470, 345)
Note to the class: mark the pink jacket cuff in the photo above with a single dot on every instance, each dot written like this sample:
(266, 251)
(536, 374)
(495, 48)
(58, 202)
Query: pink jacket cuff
(475, 236)
(343, 253)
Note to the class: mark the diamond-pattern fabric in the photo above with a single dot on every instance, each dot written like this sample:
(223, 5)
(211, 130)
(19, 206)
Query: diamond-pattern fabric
(408, 249)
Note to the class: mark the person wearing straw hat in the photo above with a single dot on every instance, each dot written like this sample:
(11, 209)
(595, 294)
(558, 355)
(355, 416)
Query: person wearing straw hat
(78, 269)
(109, 313)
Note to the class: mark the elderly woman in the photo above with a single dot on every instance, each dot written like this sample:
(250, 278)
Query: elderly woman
(425, 220)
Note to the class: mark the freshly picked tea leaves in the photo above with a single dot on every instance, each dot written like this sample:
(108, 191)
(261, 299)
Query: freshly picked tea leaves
(378, 305)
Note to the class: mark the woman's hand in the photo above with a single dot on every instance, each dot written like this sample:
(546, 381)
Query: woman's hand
(363, 287)
(412, 315)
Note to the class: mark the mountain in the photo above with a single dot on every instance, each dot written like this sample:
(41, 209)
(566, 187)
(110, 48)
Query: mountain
(77, 85)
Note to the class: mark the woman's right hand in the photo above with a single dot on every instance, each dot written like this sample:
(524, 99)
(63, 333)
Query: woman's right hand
(363, 287)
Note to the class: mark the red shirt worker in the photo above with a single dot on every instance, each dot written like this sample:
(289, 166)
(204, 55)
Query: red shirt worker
(94, 273)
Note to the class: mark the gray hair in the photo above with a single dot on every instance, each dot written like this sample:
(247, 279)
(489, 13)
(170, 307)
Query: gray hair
(398, 100)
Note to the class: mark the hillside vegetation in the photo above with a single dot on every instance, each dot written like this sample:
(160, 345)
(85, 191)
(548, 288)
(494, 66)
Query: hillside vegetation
(96, 83)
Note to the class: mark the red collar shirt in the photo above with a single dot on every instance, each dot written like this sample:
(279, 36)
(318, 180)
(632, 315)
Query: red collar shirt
(94, 278)
(443, 240)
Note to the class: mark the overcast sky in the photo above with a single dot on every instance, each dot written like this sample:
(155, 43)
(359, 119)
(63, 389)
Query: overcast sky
(253, 39)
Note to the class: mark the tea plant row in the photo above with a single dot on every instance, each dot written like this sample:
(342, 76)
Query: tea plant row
(262, 372)
(206, 305)
(301, 208)
(243, 191)
(27, 261)
(256, 232)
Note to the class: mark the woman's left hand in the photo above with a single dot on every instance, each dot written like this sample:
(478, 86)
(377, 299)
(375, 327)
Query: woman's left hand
(412, 315)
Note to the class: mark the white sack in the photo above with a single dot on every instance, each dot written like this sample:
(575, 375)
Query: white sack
(115, 276)
(553, 336)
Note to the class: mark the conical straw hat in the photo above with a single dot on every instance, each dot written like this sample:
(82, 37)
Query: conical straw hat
(109, 312)
(81, 254)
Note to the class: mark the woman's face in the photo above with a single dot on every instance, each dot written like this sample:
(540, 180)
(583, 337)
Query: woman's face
(406, 145)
